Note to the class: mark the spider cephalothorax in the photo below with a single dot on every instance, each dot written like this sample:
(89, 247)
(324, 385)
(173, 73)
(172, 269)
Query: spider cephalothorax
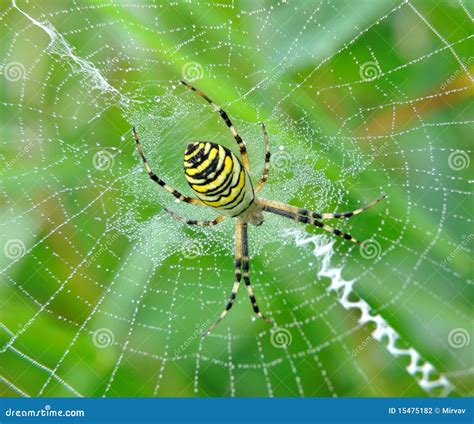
(222, 181)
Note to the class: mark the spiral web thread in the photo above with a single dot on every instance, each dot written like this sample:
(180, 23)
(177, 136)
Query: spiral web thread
(158, 239)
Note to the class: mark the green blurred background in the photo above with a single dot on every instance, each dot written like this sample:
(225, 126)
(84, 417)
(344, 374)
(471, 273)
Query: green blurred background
(103, 294)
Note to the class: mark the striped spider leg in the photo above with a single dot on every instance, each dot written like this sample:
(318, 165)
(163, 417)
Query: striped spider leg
(306, 217)
(266, 165)
(158, 180)
(241, 267)
(197, 222)
(243, 149)
(245, 269)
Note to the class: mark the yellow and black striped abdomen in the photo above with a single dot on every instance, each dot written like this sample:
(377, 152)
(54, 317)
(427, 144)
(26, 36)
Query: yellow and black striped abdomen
(218, 178)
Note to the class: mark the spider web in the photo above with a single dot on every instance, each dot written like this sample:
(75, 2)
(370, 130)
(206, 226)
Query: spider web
(103, 294)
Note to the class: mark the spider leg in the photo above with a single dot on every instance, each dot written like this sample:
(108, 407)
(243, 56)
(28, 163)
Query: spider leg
(158, 180)
(303, 216)
(225, 117)
(351, 213)
(245, 269)
(266, 166)
(238, 277)
(319, 215)
(200, 223)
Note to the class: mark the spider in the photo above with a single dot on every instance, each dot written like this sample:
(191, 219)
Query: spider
(221, 181)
